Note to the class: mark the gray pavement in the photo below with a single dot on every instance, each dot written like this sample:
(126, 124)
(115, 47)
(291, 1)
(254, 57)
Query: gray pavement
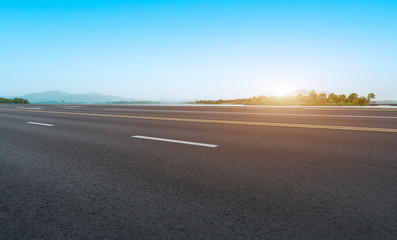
(86, 177)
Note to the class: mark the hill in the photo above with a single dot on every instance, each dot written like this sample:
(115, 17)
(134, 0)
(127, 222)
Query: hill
(61, 97)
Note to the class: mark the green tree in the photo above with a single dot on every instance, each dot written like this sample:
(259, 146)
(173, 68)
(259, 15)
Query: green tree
(313, 97)
(362, 101)
(15, 100)
(20, 100)
(351, 97)
(342, 99)
(370, 97)
(322, 97)
(332, 97)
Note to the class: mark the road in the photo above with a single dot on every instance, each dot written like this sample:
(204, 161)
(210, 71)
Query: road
(197, 172)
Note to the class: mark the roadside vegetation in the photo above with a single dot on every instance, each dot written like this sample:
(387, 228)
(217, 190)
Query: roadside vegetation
(15, 100)
(313, 99)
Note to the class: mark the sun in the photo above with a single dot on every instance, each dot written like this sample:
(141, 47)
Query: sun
(282, 90)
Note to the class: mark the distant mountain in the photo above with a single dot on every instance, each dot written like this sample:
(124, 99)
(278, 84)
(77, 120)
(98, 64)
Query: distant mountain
(60, 97)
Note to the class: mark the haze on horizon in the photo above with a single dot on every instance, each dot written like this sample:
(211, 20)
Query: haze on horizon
(198, 49)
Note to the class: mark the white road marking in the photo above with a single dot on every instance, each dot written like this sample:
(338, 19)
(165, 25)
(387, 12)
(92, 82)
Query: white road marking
(263, 114)
(31, 108)
(41, 124)
(176, 141)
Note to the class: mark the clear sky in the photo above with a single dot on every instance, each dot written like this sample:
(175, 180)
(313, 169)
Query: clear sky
(198, 49)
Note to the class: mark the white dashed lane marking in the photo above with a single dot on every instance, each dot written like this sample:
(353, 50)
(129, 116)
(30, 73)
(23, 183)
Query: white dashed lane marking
(176, 141)
(41, 124)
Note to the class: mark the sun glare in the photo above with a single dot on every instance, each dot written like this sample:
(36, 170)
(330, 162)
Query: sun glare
(282, 90)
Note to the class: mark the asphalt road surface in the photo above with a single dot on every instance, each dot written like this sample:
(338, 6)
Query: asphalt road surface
(195, 172)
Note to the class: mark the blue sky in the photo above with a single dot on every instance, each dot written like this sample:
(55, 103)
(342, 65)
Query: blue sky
(198, 49)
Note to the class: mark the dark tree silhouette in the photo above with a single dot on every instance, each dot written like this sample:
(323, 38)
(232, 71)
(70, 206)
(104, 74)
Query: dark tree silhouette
(15, 100)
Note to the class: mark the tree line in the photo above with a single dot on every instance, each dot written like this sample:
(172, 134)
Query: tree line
(313, 99)
(15, 100)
